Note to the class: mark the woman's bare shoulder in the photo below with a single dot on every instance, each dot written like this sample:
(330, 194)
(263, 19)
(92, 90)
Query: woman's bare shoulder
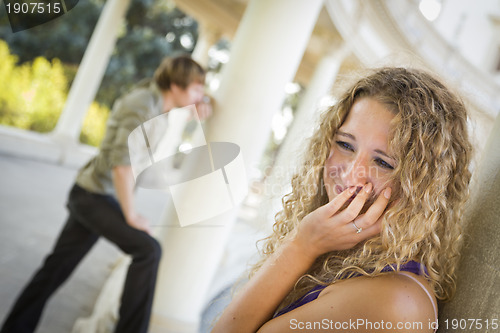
(394, 296)
(388, 303)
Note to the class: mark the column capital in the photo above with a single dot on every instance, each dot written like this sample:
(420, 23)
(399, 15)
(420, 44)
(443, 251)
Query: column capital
(208, 35)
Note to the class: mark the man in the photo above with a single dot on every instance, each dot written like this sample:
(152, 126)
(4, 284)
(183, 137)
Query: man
(101, 203)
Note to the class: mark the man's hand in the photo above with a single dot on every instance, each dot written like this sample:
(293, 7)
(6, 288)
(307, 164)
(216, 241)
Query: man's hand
(139, 222)
(123, 179)
(204, 108)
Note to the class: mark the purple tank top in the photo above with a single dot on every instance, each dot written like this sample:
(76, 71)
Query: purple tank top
(411, 266)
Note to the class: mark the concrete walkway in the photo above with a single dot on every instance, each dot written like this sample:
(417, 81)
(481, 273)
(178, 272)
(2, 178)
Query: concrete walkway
(32, 212)
(33, 193)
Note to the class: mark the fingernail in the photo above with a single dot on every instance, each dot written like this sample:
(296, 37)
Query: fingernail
(352, 189)
(387, 193)
(368, 187)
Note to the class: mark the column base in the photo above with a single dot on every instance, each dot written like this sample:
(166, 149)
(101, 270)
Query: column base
(161, 324)
(44, 147)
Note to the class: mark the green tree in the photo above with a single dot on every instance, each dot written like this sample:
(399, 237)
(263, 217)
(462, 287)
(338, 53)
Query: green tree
(34, 96)
(140, 48)
(9, 98)
(35, 93)
(45, 60)
(153, 30)
(94, 125)
(64, 38)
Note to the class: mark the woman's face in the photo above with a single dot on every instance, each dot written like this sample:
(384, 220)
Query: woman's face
(360, 150)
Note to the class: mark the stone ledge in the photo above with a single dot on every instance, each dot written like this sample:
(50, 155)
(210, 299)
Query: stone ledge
(44, 147)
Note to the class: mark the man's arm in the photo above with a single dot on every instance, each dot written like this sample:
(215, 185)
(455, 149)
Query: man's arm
(123, 180)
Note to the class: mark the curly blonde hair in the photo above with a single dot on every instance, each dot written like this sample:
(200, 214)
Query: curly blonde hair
(430, 142)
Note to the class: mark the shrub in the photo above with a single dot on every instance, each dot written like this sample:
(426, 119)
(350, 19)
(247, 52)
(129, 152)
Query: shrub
(32, 97)
(94, 125)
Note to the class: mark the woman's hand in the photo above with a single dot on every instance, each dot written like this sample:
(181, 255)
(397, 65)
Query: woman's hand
(328, 229)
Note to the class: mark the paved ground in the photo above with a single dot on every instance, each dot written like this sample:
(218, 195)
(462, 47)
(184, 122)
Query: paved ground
(32, 211)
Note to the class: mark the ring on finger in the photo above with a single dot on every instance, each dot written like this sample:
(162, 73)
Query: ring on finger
(358, 230)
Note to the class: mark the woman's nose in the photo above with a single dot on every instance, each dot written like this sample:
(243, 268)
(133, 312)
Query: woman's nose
(355, 173)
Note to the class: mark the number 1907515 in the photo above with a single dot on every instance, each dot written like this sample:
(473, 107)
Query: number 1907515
(471, 324)
(33, 8)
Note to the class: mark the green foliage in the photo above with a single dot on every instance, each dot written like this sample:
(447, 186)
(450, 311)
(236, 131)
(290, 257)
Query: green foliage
(64, 38)
(139, 50)
(8, 100)
(33, 95)
(94, 125)
(144, 44)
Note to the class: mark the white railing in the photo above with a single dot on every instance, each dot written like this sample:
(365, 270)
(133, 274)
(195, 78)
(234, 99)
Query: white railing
(379, 28)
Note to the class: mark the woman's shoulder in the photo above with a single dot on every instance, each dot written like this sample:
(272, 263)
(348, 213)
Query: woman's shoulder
(396, 297)
(391, 302)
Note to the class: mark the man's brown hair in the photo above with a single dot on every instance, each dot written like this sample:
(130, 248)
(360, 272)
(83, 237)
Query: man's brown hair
(181, 71)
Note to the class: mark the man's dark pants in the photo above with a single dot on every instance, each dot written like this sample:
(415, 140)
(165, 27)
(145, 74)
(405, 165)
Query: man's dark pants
(90, 216)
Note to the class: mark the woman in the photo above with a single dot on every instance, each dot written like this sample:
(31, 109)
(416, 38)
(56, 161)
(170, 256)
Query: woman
(369, 237)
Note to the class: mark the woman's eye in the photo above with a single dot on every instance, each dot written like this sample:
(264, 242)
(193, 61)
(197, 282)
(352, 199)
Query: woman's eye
(344, 145)
(383, 164)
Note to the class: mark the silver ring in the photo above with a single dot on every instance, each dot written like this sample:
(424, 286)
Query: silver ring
(358, 230)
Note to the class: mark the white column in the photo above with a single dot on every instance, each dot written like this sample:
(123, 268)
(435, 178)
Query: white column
(265, 54)
(302, 127)
(319, 86)
(91, 70)
(207, 37)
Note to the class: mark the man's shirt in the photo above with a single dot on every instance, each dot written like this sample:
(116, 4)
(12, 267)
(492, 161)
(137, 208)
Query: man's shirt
(129, 111)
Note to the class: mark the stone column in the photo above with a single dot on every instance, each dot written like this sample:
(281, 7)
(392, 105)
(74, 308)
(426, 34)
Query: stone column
(265, 54)
(207, 37)
(478, 290)
(90, 71)
(302, 127)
